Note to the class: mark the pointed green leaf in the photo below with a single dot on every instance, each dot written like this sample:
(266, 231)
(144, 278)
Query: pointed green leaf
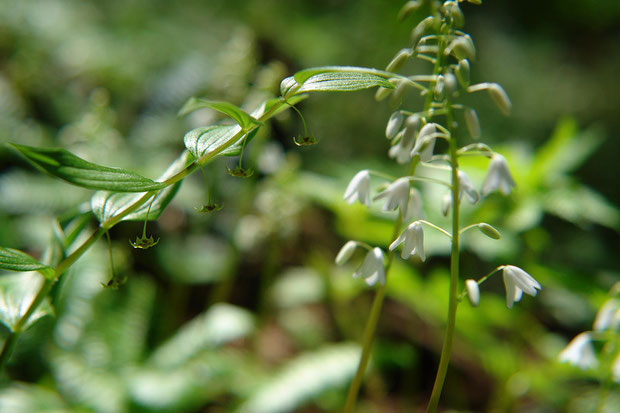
(208, 139)
(64, 165)
(335, 79)
(105, 205)
(237, 114)
(17, 291)
(15, 260)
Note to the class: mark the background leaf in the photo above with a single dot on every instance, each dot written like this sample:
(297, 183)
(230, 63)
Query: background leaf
(106, 205)
(17, 290)
(64, 165)
(15, 260)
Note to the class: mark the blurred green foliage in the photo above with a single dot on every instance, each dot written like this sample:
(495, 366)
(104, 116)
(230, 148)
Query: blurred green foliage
(242, 309)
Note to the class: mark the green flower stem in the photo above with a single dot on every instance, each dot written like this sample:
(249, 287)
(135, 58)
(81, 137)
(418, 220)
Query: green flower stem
(369, 331)
(454, 279)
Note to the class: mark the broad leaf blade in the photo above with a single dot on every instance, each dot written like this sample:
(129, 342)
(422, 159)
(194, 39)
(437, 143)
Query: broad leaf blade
(16, 294)
(106, 205)
(208, 139)
(64, 165)
(237, 114)
(15, 260)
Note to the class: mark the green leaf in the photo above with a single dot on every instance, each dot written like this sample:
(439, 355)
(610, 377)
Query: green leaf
(105, 205)
(237, 114)
(64, 165)
(303, 378)
(335, 79)
(15, 260)
(221, 324)
(17, 291)
(208, 139)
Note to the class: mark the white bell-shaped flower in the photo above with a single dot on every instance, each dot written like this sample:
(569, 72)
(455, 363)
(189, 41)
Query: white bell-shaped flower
(517, 282)
(608, 317)
(425, 143)
(372, 269)
(580, 352)
(498, 176)
(467, 188)
(413, 237)
(359, 188)
(415, 207)
(396, 195)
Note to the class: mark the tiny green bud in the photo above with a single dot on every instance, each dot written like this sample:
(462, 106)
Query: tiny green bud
(304, 140)
(394, 124)
(473, 125)
(239, 172)
(408, 8)
(489, 231)
(399, 60)
(421, 29)
(499, 96)
(462, 72)
(345, 252)
(473, 292)
(462, 47)
(209, 208)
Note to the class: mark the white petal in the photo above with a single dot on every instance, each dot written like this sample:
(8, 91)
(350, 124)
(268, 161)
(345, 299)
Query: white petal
(359, 188)
(467, 188)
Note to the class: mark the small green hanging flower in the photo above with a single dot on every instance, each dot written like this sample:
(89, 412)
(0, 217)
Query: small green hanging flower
(209, 208)
(306, 140)
(240, 172)
(144, 242)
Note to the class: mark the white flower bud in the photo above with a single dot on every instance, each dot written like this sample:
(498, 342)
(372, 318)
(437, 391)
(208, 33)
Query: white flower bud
(501, 99)
(425, 142)
(408, 8)
(462, 72)
(473, 292)
(399, 93)
(439, 87)
(462, 47)
(421, 29)
(451, 84)
(452, 10)
(472, 123)
(399, 60)
(467, 188)
(346, 252)
(394, 124)
(382, 93)
(446, 203)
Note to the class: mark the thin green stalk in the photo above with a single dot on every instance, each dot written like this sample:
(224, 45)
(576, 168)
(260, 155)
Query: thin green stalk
(369, 331)
(446, 349)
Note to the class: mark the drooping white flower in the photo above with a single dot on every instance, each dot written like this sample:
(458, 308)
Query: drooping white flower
(345, 252)
(498, 176)
(473, 292)
(467, 188)
(415, 207)
(580, 352)
(413, 237)
(517, 282)
(372, 269)
(359, 188)
(608, 317)
(402, 150)
(425, 143)
(395, 195)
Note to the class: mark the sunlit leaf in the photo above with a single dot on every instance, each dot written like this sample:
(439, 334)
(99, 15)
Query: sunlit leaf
(64, 165)
(17, 290)
(208, 139)
(222, 323)
(335, 79)
(237, 114)
(15, 260)
(106, 205)
(30, 398)
(303, 378)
